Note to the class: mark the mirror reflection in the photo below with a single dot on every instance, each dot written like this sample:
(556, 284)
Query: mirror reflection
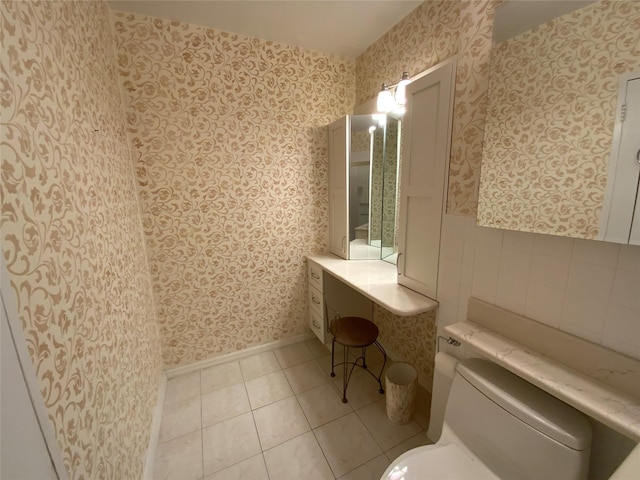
(390, 184)
(550, 117)
(373, 180)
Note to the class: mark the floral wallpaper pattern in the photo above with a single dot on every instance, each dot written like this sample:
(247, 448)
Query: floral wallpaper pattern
(433, 32)
(230, 146)
(72, 238)
(550, 120)
(412, 337)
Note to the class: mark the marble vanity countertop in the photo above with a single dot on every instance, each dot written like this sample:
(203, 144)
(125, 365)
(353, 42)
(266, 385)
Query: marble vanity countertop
(616, 409)
(376, 280)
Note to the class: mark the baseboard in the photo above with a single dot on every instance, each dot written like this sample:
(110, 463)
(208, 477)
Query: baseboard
(147, 473)
(230, 357)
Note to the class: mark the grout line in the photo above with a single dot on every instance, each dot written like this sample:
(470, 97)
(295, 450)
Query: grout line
(323, 453)
(333, 387)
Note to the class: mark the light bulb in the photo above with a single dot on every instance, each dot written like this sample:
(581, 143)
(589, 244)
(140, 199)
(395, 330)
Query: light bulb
(385, 102)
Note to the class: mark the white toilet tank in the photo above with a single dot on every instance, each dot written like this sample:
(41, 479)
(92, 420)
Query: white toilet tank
(516, 429)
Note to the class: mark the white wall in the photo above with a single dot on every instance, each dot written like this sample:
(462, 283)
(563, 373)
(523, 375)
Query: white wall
(588, 288)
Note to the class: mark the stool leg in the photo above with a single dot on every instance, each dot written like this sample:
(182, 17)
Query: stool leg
(333, 349)
(364, 359)
(377, 344)
(345, 380)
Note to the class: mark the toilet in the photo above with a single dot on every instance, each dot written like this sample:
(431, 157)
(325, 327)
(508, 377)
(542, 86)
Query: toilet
(498, 426)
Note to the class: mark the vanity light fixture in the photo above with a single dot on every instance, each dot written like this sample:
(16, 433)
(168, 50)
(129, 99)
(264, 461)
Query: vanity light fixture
(392, 98)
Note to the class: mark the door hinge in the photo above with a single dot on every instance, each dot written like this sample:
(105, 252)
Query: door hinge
(623, 112)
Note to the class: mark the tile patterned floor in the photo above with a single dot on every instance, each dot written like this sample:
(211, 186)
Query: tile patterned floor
(278, 415)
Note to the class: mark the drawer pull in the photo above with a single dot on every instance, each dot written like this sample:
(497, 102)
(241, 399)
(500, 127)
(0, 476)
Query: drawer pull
(315, 300)
(315, 275)
(315, 324)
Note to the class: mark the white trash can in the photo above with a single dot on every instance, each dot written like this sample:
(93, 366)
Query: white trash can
(401, 389)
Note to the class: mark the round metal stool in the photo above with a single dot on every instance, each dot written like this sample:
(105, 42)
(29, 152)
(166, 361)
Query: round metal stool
(354, 332)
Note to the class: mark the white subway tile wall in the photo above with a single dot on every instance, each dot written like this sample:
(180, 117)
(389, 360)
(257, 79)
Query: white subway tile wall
(588, 288)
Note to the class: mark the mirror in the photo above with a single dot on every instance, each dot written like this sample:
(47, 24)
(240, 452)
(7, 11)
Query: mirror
(551, 114)
(391, 181)
(373, 173)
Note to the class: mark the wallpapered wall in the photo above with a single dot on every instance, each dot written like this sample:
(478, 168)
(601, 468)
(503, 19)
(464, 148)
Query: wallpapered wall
(550, 120)
(72, 238)
(432, 33)
(231, 162)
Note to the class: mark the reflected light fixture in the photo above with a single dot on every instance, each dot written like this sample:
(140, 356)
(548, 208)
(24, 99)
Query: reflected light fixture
(392, 98)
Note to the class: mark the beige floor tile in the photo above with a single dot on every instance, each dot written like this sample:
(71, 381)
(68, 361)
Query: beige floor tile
(268, 389)
(229, 442)
(363, 389)
(179, 459)
(416, 441)
(298, 458)
(279, 422)
(224, 403)
(220, 376)
(385, 432)
(317, 348)
(252, 468)
(325, 364)
(179, 418)
(182, 387)
(259, 365)
(293, 355)
(306, 376)
(372, 470)
(346, 443)
(322, 405)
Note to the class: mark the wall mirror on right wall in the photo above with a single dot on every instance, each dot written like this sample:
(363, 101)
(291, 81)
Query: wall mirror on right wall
(555, 134)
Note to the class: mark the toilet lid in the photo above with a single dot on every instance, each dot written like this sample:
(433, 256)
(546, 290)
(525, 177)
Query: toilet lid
(433, 462)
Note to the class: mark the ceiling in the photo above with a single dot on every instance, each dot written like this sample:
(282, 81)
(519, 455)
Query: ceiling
(343, 27)
(517, 16)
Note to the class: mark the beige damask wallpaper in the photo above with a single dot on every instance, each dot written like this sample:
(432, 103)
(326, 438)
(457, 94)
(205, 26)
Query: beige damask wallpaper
(433, 32)
(550, 120)
(430, 34)
(72, 238)
(230, 155)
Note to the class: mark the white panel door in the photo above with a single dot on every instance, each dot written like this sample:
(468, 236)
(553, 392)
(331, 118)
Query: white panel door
(630, 144)
(425, 161)
(338, 187)
(620, 223)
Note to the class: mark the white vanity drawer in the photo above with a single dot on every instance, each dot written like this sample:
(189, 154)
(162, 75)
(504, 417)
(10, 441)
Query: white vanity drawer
(316, 301)
(316, 324)
(315, 275)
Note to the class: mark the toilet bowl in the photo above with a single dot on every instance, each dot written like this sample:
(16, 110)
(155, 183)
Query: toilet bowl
(498, 426)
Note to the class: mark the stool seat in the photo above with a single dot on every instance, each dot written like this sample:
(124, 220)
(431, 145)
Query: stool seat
(354, 331)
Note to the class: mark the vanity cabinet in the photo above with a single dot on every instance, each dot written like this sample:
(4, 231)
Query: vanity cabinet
(425, 160)
(330, 297)
(316, 301)
(339, 144)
